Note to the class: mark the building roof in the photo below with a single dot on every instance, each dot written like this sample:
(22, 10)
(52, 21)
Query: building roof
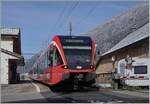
(133, 37)
(12, 53)
(18, 56)
(9, 31)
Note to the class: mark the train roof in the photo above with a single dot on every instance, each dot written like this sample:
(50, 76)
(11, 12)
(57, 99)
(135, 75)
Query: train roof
(87, 38)
(75, 40)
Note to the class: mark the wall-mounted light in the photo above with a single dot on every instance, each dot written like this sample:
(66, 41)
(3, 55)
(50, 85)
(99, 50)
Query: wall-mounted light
(113, 58)
(128, 59)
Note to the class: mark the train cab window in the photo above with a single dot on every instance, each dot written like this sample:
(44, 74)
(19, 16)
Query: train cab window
(57, 58)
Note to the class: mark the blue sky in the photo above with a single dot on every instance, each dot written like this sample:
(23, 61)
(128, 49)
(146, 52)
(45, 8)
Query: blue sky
(40, 21)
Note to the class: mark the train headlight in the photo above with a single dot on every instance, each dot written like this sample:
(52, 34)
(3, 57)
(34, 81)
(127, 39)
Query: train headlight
(79, 67)
(48, 76)
(92, 66)
(65, 66)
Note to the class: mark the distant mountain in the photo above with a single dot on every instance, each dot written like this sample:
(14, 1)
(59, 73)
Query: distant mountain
(112, 32)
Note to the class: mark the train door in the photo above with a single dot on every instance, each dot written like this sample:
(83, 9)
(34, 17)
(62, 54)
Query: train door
(48, 61)
(49, 67)
(57, 64)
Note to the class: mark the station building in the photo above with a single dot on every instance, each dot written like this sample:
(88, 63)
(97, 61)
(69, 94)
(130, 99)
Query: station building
(135, 44)
(10, 55)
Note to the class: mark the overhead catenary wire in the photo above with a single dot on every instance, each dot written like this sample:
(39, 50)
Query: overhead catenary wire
(60, 16)
(73, 6)
(88, 14)
(57, 21)
(69, 14)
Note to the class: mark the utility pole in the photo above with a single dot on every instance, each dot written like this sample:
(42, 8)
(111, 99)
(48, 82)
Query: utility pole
(70, 28)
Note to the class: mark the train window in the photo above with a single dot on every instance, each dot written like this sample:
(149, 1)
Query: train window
(50, 54)
(57, 58)
(37, 69)
(46, 61)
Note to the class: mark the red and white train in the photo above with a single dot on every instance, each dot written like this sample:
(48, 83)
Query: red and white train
(68, 61)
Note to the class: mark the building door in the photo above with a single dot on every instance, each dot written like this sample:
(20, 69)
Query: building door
(12, 71)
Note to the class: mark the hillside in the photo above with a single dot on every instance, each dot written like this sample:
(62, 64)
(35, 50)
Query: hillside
(110, 33)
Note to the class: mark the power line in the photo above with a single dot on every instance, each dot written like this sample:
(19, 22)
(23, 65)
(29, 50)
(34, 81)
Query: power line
(57, 21)
(60, 15)
(64, 20)
(88, 14)
(73, 6)
(69, 14)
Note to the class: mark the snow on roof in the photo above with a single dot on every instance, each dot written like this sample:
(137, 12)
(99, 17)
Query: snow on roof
(9, 31)
(133, 37)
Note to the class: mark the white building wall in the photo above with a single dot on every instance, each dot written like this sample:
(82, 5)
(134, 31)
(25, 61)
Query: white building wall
(4, 74)
(8, 45)
(4, 67)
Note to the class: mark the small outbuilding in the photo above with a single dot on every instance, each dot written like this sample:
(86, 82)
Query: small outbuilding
(10, 55)
(135, 44)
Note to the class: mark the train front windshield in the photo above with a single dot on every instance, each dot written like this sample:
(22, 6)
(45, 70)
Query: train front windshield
(80, 56)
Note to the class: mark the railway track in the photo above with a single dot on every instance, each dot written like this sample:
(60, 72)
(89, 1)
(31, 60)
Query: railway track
(92, 95)
(88, 95)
